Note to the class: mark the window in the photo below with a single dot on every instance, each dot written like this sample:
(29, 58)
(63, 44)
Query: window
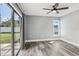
(56, 27)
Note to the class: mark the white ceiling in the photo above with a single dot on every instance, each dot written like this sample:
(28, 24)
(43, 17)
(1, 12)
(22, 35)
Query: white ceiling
(37, 9)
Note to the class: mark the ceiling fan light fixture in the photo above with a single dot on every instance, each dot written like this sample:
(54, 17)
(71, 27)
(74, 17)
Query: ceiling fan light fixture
(54, 11)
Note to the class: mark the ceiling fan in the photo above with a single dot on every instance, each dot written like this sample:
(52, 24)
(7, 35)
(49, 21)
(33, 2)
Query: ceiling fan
(55, 8)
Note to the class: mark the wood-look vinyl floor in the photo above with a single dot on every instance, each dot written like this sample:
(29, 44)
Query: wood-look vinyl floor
(50, 48)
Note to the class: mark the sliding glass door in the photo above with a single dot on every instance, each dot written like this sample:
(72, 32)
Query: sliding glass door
(10, 22)
(5, 29)
(17, 23)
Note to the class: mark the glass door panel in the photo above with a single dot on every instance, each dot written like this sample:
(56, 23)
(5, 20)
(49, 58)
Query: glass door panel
(5, 29)
(16, 33)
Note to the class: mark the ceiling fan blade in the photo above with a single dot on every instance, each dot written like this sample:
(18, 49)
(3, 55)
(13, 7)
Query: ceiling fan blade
(63, 8)
(46, 9)
(56, 5)
(49, 12)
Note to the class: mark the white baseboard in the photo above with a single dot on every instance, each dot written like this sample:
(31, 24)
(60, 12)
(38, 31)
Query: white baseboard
(37, 40)
(53, 39)
(75, 44)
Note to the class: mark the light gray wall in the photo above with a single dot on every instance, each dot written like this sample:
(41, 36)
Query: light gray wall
(70, 27)
(38, 27)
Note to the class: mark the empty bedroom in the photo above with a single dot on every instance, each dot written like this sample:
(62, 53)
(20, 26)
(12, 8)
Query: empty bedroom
(39, 29)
